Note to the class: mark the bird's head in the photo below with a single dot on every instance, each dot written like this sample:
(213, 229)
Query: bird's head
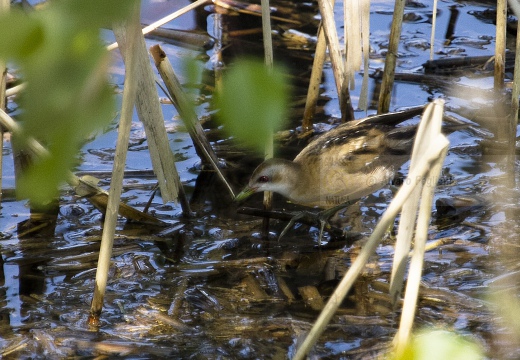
(277, 175)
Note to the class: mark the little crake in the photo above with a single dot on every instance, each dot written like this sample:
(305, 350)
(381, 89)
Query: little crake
(340, 166)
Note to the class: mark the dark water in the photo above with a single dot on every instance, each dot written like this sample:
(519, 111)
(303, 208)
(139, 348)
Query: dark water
(212, 286)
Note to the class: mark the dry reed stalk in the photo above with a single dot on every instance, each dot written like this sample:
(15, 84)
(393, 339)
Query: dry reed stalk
(365, 37)
(500, 45)
(268, 59)
(133, 27)
(218, 63)
(427, 158)
(516, 83)
(4, 7)
(352, 35)
(150, 114)
(338, 64)
(387, 84)
(15, 89)
(506, 132)
(313, 91)
(434, 26)
(188, 115)
(423, 140)
(427, 137)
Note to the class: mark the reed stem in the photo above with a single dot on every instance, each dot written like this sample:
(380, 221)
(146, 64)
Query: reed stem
(268, 59)
(188, 115)
(500, 45)
(4, 7)
(387, 84)
(116, 182)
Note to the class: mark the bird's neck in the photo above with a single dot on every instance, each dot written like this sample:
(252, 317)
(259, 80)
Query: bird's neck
(297, 179)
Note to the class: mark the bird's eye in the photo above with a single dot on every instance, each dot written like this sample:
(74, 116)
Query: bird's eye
(263, 179)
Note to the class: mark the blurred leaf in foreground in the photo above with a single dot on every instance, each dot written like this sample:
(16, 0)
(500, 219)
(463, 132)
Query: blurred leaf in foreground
(59, 53)
(253, 102)
(440, 344)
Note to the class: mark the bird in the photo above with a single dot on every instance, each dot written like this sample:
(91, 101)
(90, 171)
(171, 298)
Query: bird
(341, 166)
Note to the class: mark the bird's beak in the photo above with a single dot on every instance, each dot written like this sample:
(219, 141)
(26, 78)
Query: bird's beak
(244, 194)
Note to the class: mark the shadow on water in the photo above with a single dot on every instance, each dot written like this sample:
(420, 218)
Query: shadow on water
(211, 286)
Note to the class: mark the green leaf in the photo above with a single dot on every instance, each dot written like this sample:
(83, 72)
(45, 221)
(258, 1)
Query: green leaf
(253, 102)
(93, 13)
(21, 35)
(434, 345)
(60, 55)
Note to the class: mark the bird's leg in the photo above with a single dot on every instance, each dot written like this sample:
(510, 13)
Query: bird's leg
(299, 215)
(321, 218)
(324, 216)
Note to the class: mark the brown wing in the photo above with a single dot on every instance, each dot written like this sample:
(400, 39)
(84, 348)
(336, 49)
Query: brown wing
(348, 163)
